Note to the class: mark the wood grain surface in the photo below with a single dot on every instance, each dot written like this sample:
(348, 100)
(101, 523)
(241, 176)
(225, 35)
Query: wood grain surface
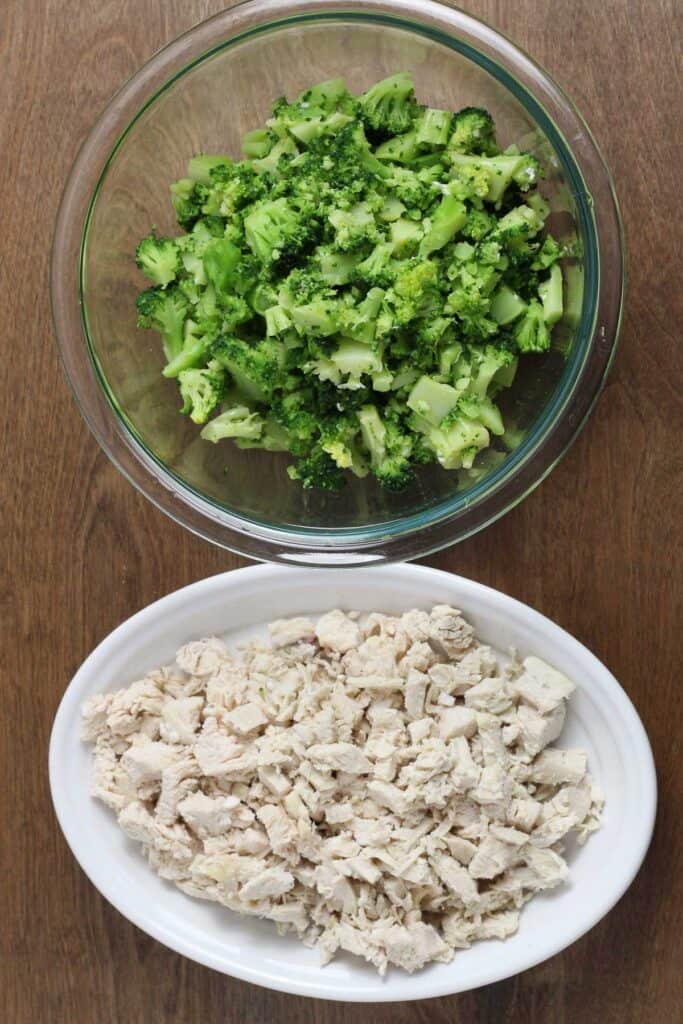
(597, 547)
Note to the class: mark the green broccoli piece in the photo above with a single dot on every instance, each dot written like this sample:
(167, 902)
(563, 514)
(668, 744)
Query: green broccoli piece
(275, 231)
(201, 391)
(473, 131)
(158, 259)
(317, 470)
(389, 448)
(389, 106)
(164, 310)
(433, 128)
(237, 422)
(354, 228)
(255, 367)
(199, 337)
(532, 334)
(201, 167)
(550, 294)
(449, 217)
(187, 202)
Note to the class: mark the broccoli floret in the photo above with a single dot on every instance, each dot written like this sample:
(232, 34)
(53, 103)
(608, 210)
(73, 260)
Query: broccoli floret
(275, 231)
(433, 128)
(378, 269)
(448, 218)
(220, 260)
(254, 367)
(388, 446)
(532, 334)
(187, 203)
(202, 166)
(473, 131)
(258, 143)
(354, 228)
(389, 106)
(239, 421)
(201, 391)
(414, 293)
(402, 149)
(199, 336)
(164, 310)
(497, 172)
(158, 259)
(318, 470)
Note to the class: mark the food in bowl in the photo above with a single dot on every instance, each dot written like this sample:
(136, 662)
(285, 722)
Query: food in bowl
(378, 784)
(358, 288)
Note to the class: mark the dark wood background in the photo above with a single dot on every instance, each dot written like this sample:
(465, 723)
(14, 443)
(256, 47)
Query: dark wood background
(597, 547)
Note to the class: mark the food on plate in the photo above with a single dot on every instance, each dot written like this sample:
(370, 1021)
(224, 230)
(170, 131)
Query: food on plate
(358, 288)
(377, 784)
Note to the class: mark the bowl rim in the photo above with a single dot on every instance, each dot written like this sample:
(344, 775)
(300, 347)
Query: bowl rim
(403, 579)
(466, 511)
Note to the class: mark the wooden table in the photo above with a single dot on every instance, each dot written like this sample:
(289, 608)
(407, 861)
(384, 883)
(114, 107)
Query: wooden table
(596, 547)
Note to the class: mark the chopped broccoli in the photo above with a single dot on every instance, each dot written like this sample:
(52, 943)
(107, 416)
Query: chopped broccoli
(238, 421)
(164, 310)
(532, 334)
(359, 287)
(473, 132)
(201, 391)
(389, 106)
(158, 259)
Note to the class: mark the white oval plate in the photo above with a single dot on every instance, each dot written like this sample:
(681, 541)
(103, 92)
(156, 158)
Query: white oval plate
(601, 719)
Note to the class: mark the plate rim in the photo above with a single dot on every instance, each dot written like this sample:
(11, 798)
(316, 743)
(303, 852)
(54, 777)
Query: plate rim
(320, 989)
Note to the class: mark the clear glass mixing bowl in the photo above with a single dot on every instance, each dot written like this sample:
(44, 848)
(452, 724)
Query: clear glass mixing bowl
(201, 94)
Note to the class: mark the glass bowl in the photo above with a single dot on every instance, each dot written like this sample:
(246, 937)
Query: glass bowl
(201, 94)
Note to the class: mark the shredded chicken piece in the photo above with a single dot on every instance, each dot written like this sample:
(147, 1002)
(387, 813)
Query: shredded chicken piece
(377, 784)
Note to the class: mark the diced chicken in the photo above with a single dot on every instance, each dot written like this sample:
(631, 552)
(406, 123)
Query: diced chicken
(340, 757)
(180, 718)
(457, 721)
(246, 718)
(215, 752)
(269, 885)
(458, 880)
(377, 785)
(492, 858)
(285, 632)
(145, 761)
(489, 695)
(202, 657)
(414, 693)
(281, 830)
(337, 632)
(555, 766)
(536, 731)
(542, 686)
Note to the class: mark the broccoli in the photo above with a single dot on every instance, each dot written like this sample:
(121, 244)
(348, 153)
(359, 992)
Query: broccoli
(275, 231)
(201, 391)
(532, 334)
(157, 258)
(254, 367)
(357, 288)
(473, 131)
(318, 469)
(238, 421)
(197, 342)
(433, 128)
(389, 106)
(164, 310)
